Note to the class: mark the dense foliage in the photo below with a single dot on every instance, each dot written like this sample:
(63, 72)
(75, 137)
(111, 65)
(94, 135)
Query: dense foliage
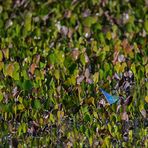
(55, 55)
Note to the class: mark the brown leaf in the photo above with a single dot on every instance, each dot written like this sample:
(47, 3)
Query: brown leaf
(32, 68)
(6, 52)
(67, 14)
(124, 43)
(116, 53)
(10, 69)
(126, 46)
(70, 32)
(36, 59)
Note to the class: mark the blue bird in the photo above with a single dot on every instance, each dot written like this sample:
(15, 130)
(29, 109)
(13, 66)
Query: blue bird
(110, 99)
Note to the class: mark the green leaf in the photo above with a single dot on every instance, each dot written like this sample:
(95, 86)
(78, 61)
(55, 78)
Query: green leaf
(27, 85)
(1, 23)
(101, 38)
(36, 104)
(87, 118)
(52, 119)
(82, 58)
(24, 127)
(101, 74)
(52, 58)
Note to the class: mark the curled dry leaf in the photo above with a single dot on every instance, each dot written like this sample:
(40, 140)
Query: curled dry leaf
(126, 46)
(89, 81)
(69, 144)
(70, 32)
(87, 32)
(118, 107)
(15, 91)
(5, 53)
(121, 58)
(102, 102)
(128, 100)
(75, 53)
(143, 112)
(87, 73)
(8, 24)
(86, 13)
(116, 53)
(116, 76)
(80, 79)
(67, 14)
(125, 116)
(64, 30)
(86, 58)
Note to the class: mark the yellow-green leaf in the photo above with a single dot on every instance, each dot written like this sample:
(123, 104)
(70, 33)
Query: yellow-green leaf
(146, 99)
(51, 117)
(133, 68)
(60, 114)
(57, 74)
(1, 65)
(95, 77)
(1, 55)
(27, 23)
(1, 96)
(90, 101)
(109, 35)
(146, 25)
(95, 115)
(20, 107)
(88, 21)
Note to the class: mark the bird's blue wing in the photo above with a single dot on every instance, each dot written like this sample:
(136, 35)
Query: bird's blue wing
(110, 99)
